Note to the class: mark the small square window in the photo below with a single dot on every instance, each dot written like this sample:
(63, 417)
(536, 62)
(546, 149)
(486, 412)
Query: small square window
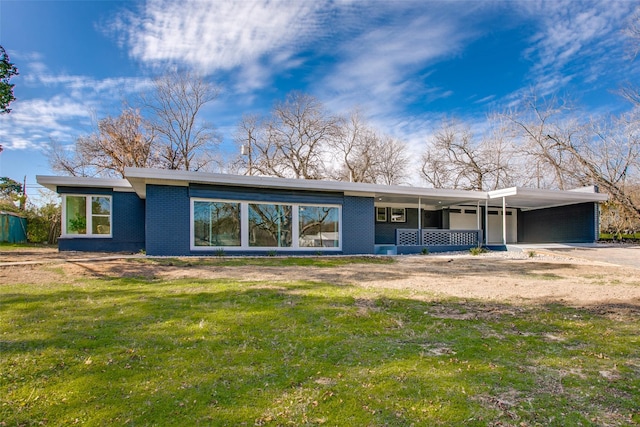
(398, 215)
(381, 214)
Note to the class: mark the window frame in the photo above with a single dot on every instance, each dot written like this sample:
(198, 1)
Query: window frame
(192, 223)
(339, 225)
(291, 206)
(89, 216)
(378, 217)
(403, 216)
(244, 227)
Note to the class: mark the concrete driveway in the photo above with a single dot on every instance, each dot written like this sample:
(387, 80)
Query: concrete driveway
(620, 254)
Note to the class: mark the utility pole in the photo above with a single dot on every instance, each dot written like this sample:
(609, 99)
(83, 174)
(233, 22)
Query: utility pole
(23, 199)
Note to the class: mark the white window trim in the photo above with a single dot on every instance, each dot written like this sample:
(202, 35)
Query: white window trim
(192, 237)
(296, 233)
(244, 228)
(404, 215)
(385, 214)
(89, 216)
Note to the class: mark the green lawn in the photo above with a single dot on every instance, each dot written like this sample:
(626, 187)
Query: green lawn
(609, 236)
(188, 352)
(262, 261)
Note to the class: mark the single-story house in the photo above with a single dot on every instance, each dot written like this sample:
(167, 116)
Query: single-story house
(177, 213)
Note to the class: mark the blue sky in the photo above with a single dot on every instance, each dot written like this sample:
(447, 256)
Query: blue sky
(404, 63)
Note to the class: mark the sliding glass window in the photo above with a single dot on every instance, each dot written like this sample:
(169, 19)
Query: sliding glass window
(263, 226)
(216, 223)
(318, 227)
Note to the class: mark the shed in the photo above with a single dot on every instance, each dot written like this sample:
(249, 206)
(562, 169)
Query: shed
(13, 227)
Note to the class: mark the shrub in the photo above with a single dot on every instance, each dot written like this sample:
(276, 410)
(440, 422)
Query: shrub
(477, 250)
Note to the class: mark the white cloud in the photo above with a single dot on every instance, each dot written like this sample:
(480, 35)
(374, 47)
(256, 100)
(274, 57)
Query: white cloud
(210, 36)
(380, 66)
(83, 87)
(65, 108)
(33, 122)
(575, 41)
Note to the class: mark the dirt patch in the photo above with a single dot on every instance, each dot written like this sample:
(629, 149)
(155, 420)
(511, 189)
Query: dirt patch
(498, 277)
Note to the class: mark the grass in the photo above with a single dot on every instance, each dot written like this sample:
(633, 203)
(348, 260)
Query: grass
(269, 261)
(6, 246)
(621, 236)
(194, 352)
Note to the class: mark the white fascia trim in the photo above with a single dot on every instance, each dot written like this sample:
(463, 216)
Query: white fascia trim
(559, 195)
(53, 182)
(139, 176)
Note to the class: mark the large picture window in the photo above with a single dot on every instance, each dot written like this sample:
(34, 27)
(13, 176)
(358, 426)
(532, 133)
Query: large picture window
(318, 226)
(270, 225)
(87, 216)
(261, 226)
(216, 223)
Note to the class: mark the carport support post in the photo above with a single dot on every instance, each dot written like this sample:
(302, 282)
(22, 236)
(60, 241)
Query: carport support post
(504, 221)
(478, 225)
(486, 222)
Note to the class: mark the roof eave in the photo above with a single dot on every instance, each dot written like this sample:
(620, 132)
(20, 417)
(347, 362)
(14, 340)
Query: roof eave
(139, 177)
(53, 182)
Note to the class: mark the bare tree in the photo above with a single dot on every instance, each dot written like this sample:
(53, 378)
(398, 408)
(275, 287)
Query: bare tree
(118, 142)
(174, 108)
(363, 155)
(392, 161)
(533, 124)
(609, 157)
(603, 152)
(354, 150)
(455, 158)
(295, 139)
(64, 159)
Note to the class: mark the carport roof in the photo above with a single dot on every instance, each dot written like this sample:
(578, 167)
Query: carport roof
(530, 198)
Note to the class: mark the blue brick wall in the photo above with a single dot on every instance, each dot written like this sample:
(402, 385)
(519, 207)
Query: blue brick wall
(358, 227)
(263, 194)
(386, 231)
(161, 223)
(167, 220)
(127, 227)
(568, 224)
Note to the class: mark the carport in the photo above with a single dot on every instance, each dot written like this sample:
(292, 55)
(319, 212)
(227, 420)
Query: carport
(547, 215)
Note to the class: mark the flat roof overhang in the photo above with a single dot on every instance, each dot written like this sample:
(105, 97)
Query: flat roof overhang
(514, 197)
(53, 182)
(139, 178)
(530, 198)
